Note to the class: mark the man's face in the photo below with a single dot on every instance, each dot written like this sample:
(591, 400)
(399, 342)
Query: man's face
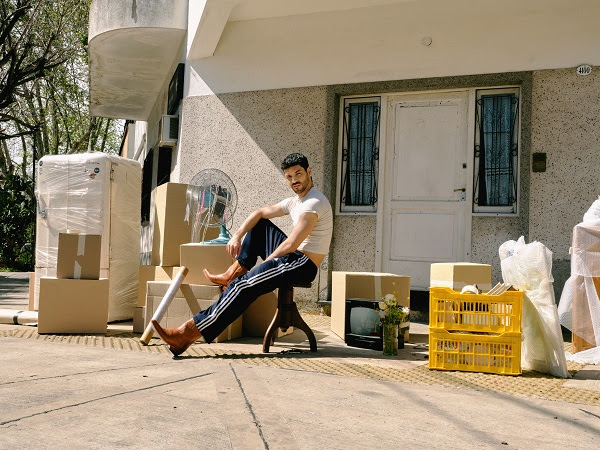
(298, 178)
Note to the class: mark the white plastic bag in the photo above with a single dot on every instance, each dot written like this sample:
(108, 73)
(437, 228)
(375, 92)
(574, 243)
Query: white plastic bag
(528, 267)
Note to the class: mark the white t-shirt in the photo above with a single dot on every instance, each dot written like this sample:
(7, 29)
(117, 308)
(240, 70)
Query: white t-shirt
(314, 201)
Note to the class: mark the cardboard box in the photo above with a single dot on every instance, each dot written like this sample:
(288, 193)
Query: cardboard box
(364, 285)
(78, 256)
(189, 300)
(458, 275)
(50, 272)
(72, 306)
(153, 273)
(170, 228)
(139, 313)
(259, 315)
(199, 256)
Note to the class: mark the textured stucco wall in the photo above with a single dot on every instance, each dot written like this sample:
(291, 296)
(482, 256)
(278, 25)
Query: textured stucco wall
(247, 135)
(566, 126)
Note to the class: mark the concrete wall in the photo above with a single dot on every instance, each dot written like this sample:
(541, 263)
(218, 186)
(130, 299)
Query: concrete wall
(566, 126)
(247, 134)
(147, 140)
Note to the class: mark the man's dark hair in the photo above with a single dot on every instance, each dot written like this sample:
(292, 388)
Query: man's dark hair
(294, 159)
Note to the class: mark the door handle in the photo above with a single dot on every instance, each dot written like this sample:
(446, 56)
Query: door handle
(460, 190)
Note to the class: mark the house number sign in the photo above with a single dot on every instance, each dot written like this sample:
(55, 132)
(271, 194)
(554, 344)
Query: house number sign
(584, 69)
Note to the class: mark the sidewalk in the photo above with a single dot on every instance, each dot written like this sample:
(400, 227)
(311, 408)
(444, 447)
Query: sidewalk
(111, 392)
(14, 290)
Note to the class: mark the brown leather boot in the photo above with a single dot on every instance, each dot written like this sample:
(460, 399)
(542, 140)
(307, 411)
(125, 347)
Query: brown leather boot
(179, 339)
(223, 279)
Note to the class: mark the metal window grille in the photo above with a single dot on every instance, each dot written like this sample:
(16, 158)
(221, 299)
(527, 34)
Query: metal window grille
(360, 155)
(496, 153)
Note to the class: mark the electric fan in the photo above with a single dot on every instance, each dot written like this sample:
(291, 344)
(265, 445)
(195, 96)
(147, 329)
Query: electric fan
(211, 202)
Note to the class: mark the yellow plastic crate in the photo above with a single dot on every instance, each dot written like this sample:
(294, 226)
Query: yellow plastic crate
(499, 354)
(452, 311)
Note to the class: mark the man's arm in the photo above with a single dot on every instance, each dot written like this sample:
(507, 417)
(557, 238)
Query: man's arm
(266, 212)
(305, 225)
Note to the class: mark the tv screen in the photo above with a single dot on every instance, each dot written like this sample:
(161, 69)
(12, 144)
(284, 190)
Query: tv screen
(363, 325)
(364, 321)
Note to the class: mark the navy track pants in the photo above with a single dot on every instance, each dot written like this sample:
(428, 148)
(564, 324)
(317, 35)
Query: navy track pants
(261, 241)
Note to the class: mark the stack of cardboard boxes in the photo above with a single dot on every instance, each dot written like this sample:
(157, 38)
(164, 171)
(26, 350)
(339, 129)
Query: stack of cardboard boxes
(172, 250)
(171, 230)
(76, 300)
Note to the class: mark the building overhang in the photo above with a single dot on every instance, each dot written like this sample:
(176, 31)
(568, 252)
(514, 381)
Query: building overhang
(208, 19)
(132, 46)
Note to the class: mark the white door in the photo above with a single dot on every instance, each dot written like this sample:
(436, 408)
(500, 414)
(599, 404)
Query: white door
(425, 214)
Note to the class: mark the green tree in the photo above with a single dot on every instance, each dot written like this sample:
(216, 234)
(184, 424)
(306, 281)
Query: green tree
(17, 216)
(44, 83)
(44, 106)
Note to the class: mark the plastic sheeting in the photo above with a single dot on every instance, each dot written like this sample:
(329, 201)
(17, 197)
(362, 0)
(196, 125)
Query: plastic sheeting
(579, 307)
(528, 267)
(92, 193)
(590, 356)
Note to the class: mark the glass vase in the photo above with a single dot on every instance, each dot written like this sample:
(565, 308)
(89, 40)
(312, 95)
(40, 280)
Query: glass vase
(390, 339)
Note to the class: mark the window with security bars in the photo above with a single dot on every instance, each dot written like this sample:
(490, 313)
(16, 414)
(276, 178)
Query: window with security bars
(359, 161)
(495, 172)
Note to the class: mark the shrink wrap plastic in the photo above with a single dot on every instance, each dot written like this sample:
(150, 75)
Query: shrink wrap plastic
(92, 193)
(579, 307)
(528, 267)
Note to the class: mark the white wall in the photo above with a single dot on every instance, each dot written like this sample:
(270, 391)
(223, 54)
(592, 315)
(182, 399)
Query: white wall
(385, 43)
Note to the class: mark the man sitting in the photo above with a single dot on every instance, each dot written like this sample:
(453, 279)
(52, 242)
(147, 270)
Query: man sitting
(286, 260)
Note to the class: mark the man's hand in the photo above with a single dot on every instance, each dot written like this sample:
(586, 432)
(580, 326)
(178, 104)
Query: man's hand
(234, 246)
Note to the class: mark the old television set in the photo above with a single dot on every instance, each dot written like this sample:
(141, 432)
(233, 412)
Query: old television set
(363, 325)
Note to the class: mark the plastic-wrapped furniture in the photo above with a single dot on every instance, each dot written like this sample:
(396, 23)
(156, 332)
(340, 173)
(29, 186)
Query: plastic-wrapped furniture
(92, 193)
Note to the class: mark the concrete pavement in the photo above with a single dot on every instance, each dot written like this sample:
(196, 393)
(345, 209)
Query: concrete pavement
(109, 392)
(59, 395)
(14, 290)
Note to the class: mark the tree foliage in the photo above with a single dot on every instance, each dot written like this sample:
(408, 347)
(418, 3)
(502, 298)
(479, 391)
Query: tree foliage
(44, 83)
(17, 216)
(44, 105)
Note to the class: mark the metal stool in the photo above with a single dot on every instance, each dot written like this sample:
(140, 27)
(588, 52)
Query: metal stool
(287, 315)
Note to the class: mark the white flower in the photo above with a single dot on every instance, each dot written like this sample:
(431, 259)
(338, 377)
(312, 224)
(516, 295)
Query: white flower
(390, 299)
(382, 314)
(383, 305)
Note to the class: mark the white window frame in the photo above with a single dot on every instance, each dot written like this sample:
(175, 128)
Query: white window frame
(505, 211)
(357, 209)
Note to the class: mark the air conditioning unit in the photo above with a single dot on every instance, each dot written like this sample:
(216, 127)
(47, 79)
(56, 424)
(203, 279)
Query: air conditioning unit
(168, 130)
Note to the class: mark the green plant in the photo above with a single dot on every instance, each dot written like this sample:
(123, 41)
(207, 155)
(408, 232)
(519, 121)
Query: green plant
(17, 217)
(390, 312)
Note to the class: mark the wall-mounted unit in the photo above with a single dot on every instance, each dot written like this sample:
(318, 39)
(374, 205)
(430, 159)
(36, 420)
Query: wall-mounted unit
(168, 131)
